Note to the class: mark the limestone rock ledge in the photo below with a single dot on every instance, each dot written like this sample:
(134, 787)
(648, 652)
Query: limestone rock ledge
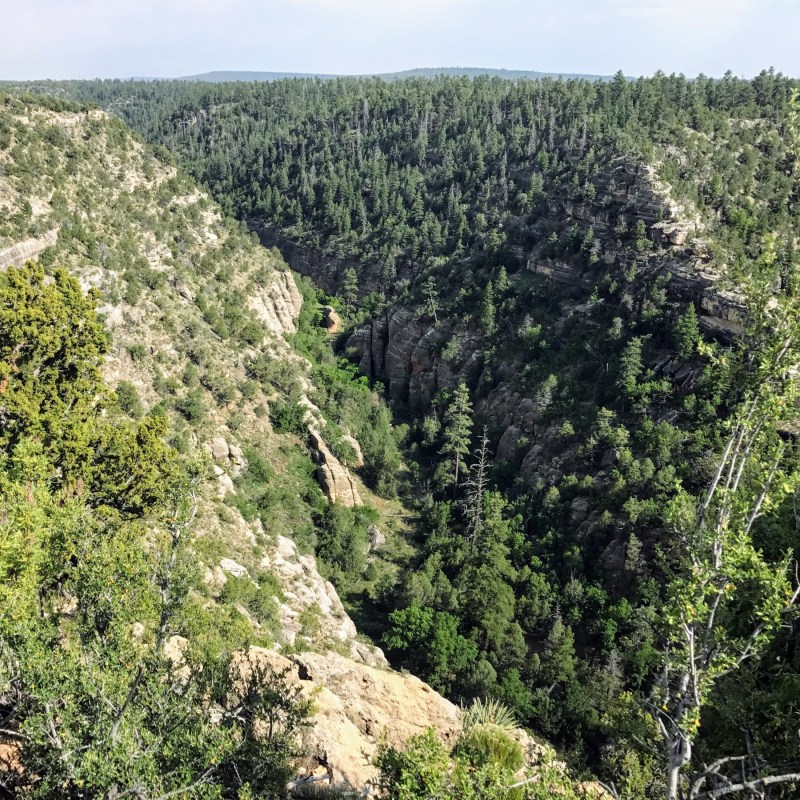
(335, 479)
(304, 588)
(278, 304)
(354, 705)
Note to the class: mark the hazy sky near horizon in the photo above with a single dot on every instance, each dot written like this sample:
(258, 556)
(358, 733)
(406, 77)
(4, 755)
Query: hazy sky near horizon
(171, 38)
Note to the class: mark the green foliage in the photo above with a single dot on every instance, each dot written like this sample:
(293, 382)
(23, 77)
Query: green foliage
(489, 712)
(561, 594)
(430, 645)
(192, 405)
(128, 399)
(111, 665)
(457, 430)
(485, 744)
(687, 333)
(51, 346)
(424, 768)
(287, 417)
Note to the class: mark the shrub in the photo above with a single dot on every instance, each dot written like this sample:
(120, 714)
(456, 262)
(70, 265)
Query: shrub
(191, 405)
(286, 417)
(128, 399)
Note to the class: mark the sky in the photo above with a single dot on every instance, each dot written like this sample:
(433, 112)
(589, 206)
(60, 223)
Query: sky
(172, 38)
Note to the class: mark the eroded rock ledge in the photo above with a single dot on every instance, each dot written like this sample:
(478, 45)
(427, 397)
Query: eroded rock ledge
(355, 705)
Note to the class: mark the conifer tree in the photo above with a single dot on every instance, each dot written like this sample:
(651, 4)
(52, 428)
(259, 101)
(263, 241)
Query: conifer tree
(457, 430)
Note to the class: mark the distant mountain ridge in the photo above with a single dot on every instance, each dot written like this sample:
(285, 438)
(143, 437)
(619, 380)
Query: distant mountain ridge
(222, 76)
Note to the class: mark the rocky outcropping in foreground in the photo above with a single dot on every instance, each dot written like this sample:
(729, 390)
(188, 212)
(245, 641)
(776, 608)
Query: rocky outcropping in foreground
(354, 706)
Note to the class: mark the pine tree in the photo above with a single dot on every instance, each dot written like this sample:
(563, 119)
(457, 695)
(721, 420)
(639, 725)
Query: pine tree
(686, 333)
(457, 429)
(488, 310)
(349, 291)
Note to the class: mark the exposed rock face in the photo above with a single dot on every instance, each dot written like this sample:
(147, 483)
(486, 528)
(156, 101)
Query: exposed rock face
(326, 271)
(355, 705)
(358, 458)
(331, 319)
(278, 304)
(19, 253)
(305, 588)
(403, 351)
(335, 479)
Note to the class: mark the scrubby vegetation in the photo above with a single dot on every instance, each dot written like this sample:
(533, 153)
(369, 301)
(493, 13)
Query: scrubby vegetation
(116, 677)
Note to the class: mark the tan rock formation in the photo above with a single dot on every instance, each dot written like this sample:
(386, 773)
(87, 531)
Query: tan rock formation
(331, 319)
(277, 305)
(334, 478)
(21, 252)
(304, 588)
(354, 705)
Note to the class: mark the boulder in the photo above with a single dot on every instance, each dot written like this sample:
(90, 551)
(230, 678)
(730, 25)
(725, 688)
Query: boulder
(219, 449)
(331, 320)
(377, 538)
(237, 459)
(578, 509)
(224, 483)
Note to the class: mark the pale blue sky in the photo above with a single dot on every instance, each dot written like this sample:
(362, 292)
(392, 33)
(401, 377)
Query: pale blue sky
(121, 38)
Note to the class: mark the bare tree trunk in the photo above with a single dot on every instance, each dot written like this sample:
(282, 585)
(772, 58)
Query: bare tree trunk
(680, 753)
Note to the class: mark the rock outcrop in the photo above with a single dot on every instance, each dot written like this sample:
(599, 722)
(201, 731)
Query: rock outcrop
(354, 706)
(335, 479)
(305, 589)
(331, 320)
(21, 252)
(226, 454)
(277, 305)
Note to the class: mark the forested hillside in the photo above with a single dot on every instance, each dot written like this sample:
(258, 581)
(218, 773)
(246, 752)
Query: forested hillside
(165, 630)
(579, 300)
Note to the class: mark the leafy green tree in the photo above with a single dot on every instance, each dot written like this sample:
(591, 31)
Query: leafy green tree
(430, 645)
(51, 349)
(117, 679)
(707, 637)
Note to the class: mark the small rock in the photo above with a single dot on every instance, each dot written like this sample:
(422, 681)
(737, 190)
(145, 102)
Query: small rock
(377, 538)
(234, 568)
(185, 292)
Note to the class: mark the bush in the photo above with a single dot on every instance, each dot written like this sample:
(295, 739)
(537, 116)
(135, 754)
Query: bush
(128, 399)
(191, 405)
(487, 743)
(286, 417)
